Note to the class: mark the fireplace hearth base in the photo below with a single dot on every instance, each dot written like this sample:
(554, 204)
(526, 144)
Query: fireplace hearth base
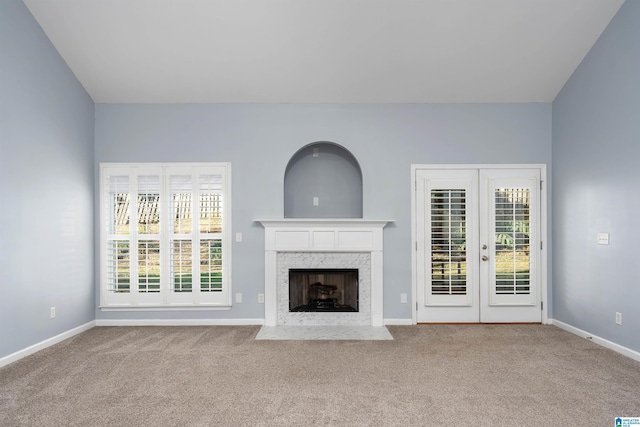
(333, 333)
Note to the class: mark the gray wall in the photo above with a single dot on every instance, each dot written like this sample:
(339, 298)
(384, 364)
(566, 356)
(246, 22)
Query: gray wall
(46, 187)
(259, 140)
(330, 173)
(596, 178)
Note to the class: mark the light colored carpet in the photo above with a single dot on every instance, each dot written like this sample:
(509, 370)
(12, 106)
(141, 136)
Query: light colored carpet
(429, 375)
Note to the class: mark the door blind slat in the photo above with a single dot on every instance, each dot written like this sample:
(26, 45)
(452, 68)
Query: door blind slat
(448, 242)
(512, 249)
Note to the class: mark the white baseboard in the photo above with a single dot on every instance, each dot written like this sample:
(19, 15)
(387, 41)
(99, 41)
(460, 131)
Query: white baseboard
(179, 322)
(398, 322)
(44, 344)
(596, 339)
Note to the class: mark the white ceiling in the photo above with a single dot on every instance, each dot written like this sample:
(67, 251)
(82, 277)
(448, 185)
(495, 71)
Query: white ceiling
(316, 51)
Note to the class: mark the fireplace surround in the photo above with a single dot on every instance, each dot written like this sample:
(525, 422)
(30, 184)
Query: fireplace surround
(324, 244)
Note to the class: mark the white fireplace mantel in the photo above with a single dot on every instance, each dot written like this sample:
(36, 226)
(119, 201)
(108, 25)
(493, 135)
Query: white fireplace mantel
(323, 236)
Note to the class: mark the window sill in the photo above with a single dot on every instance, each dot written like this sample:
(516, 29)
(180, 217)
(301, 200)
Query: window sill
(200, 307)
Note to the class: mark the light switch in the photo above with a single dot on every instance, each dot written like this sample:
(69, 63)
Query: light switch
(316, 201)
(603, 238)
(238, 237)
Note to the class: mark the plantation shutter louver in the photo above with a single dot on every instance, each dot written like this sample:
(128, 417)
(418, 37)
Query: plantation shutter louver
(210, 208)
(163, 235)
(448, 242)
(512, 228)
(181, 240)
(118, 262)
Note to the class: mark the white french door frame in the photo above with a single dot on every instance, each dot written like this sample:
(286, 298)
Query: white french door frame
(544, 237)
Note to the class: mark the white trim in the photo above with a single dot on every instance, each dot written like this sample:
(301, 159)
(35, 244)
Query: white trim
(165, 308)
(545, 240)
(414, 246)
(478, 166)
(323, 222)
(404, 322)
(179, 322)
(46, 343)
(544, 236)
(598, 340)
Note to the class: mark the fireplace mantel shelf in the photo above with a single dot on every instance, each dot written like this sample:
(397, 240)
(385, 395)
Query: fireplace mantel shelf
(323, 222)
(311, 234)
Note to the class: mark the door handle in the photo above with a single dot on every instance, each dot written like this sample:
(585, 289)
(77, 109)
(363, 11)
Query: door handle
(484, 257)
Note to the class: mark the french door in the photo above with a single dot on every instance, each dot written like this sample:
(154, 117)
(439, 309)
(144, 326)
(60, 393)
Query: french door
(478, 245)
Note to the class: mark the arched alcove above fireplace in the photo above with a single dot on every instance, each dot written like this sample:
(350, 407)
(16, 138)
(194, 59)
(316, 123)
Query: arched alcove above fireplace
(323, 180)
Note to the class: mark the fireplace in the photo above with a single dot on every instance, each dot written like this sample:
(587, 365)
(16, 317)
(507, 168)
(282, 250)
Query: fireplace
(324, 290)
(315, 244)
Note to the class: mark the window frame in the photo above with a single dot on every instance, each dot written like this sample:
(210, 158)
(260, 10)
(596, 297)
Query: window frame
(166, 298)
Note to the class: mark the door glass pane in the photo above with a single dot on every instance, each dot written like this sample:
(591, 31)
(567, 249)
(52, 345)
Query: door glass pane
(513, 256)
(448, 242)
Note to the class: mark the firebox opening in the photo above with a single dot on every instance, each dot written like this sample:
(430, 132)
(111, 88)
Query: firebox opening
(323, 290)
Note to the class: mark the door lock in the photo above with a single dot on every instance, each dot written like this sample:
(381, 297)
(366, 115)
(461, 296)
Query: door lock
(484, 247)
(484, 257)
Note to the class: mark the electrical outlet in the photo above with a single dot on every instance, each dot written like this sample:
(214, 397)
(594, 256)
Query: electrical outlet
(260, 298)
(403, 298)
(602, 238)
(238, 298)
(52, 312)
(618, 318)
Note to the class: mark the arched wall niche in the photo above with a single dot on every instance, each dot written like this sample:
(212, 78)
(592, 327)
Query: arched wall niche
(328, 172)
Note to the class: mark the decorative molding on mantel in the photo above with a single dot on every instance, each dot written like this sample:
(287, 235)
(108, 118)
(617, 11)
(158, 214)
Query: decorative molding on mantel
(323, 235)
(329, 222)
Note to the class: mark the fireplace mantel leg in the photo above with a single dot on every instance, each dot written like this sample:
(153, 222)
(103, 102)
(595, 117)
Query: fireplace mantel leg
(270, 291)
